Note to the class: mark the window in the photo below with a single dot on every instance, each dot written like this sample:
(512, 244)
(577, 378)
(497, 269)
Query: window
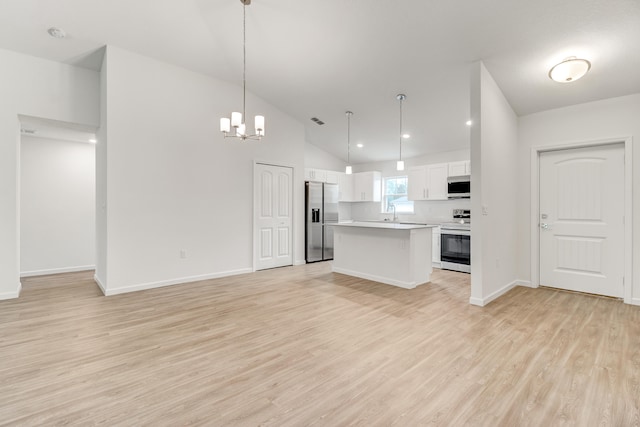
(395, 193)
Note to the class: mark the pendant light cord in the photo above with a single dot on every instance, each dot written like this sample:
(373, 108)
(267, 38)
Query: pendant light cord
(348, 137)
(400, 129)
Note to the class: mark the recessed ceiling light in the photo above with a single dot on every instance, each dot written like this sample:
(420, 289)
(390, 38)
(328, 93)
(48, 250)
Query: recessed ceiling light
(469, 123)
(57, 33)
(569, 70)
(406, 136)
(93, 140)
(359, 145)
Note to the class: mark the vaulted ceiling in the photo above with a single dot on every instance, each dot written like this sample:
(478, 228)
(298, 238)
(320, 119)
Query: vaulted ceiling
(319, 58)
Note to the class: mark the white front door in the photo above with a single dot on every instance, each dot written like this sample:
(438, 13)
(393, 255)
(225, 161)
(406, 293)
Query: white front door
(582, 219)
(273, 186)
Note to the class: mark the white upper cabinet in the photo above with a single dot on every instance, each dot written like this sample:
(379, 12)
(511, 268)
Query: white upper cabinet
(367, 186)
(345, 187)
(460, 168)
(437, 181)
(315, 175)
(428, 182)
(332, 177)
(417, 183)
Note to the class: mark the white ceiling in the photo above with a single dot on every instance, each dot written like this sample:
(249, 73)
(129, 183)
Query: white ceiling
(319, 58)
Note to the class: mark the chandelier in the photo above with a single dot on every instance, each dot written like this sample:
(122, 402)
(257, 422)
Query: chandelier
(237, 119)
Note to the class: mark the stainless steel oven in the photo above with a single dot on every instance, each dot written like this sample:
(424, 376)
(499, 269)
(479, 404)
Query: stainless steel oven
(455, 242)
(455, 251)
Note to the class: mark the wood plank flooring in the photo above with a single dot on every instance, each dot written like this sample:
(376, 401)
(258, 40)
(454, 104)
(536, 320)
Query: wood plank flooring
(302, 346)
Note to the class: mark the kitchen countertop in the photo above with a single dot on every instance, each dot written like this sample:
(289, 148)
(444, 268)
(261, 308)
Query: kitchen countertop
(384, 224)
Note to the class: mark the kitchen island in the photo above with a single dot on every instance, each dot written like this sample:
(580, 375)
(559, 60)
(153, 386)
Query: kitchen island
(387, 252)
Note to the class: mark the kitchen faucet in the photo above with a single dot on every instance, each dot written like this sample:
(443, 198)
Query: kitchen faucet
(395, 216)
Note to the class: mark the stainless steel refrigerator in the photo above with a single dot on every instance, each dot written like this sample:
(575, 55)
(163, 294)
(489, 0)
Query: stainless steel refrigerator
(321, 209)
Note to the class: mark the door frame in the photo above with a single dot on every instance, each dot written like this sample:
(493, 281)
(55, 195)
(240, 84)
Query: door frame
(294, 199)
(628, 207)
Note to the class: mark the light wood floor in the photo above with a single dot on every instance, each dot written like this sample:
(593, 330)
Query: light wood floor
(303, 346)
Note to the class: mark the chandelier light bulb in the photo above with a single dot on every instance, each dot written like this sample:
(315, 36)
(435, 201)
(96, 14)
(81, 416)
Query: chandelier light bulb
(225, 124)
(236, 119)
(259, 120)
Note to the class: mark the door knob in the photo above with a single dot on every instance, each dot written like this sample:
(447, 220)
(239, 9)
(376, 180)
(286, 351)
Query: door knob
(545, 226)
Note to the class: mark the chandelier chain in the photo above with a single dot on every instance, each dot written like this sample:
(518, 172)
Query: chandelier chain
(244, 61)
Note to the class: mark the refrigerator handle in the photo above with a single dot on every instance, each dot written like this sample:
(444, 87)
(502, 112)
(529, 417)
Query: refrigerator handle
(315, 215)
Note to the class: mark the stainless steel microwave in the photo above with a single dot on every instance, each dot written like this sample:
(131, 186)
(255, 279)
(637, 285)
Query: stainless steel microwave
(459, 187)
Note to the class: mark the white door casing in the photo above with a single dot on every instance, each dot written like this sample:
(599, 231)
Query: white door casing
(273, 195)
(581, 217)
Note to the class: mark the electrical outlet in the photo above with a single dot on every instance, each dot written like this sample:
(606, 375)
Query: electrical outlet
(485, 210)
(183, 253)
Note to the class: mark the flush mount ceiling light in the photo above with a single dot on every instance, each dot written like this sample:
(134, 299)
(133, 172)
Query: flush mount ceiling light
(237, 119)
(57, 33)
(569, 70)
(400, 164)
(359, 145)
(349, 169)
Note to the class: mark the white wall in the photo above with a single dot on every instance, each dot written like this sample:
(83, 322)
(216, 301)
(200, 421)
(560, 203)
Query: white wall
(432, 211)
(57, 206)
(173, 182)
(317, 158)
(38, 88)
(494, 154)
(600, 120)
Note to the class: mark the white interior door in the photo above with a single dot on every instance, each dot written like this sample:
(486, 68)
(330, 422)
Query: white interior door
(273, 186)
(582, 219)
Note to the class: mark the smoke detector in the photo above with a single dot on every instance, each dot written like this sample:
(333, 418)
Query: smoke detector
(57, 33)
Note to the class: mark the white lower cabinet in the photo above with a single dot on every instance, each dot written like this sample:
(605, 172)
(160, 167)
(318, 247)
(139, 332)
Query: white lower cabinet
(435, 248)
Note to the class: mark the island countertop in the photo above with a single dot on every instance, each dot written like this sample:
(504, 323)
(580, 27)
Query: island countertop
(384, 224)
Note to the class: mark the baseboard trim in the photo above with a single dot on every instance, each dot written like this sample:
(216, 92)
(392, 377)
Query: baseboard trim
(57, 271)
(373, 277)
(303, 262)
(171, 282)
(12, 295)
(635, 301)
(525, 283)
(495, 295)
(100, 285)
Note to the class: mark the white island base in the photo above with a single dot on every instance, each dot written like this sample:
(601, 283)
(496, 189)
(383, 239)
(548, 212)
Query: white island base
(391, 253)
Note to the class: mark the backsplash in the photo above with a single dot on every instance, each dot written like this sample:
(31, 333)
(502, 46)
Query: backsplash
(435, 211)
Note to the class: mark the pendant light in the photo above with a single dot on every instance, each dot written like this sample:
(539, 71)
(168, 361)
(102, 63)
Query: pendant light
(349, 169)
(237, 118)
(400, 164)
